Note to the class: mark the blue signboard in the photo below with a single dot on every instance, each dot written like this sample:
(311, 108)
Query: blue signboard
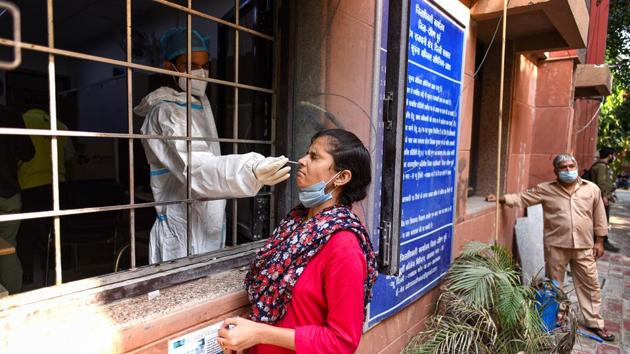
(433, 89)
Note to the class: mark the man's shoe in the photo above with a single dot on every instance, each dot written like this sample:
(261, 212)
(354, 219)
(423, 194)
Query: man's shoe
(602, 333)
(610, 247)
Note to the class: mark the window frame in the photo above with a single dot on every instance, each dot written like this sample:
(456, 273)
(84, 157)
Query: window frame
(394, 110)
(136, 281)
(393, 134)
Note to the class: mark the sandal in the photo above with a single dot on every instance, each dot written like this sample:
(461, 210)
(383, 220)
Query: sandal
(602, 333)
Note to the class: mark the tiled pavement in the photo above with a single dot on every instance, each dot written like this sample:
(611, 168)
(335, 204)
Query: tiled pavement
(615, 268)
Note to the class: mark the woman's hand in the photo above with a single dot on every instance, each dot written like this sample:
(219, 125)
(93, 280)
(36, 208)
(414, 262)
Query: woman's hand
(238, 334)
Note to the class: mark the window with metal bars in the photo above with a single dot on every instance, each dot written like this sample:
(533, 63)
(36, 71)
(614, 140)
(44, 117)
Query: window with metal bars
(83, 204)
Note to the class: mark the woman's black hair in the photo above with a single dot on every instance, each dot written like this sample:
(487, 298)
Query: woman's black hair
(349, 153)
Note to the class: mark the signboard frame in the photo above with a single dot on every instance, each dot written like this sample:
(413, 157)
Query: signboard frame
(394, 110)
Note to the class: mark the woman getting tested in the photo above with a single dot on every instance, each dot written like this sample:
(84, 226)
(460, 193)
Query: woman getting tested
(309, 284)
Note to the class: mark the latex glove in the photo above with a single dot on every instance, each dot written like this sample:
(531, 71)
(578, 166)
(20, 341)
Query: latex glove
(269, 171)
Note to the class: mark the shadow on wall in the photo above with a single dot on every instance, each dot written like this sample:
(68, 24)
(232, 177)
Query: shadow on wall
(317, 117)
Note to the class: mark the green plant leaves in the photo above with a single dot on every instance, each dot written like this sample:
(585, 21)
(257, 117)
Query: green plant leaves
(484, 308)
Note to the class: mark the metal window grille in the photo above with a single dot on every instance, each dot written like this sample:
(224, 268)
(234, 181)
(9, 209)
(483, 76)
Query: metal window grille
(56, 213)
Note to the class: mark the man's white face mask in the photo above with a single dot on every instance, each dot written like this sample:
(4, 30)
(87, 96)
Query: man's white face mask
(198, 87)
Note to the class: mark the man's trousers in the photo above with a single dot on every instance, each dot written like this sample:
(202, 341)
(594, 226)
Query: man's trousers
(584, 271)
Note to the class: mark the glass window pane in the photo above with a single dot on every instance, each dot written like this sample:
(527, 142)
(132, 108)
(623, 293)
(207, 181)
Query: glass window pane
(257, 15)
(144, 219)
(7, 53)
(33, 240)
(223, 9)
(93, 174)
(95, 27)
(150, 21)
(255, 61)
(26, 87)
(254, 115)
(221, 45)
(252, 220)
(88, 244)
(34, 22)
(95, 97)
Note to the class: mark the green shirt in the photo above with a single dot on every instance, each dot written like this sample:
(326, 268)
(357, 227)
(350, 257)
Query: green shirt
(601, 174)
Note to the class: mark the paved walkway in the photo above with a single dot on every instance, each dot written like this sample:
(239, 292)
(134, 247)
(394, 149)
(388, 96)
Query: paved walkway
(615, 268)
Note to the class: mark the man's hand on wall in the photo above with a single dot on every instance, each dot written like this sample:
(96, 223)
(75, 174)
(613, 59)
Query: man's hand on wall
(493, 198)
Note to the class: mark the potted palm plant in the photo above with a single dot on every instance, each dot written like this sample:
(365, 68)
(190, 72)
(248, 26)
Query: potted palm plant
(484, 308)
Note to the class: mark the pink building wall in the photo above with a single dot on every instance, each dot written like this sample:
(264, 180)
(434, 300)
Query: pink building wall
(543, 121)
(543, 117)
(586, 109)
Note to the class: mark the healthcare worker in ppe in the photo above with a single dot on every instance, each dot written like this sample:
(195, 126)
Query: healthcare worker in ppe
(213, 175)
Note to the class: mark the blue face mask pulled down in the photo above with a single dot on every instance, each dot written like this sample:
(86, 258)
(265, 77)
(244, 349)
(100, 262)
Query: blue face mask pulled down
(315, 194)
(567, 176)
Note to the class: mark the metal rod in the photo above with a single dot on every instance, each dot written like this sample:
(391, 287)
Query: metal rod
(78, 211)
(374, 109)
(235, 114)
(234, 222)
(274, 97)
(132, 181)
(17, 35)
(501, 85)
(215, 19)
(53, 141)
(189, 220)
(71, 54)
(84, 134)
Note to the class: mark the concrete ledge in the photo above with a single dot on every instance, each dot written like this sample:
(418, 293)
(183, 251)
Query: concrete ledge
(477, 205)
(592, 80)
(140, 324)
(539, 25)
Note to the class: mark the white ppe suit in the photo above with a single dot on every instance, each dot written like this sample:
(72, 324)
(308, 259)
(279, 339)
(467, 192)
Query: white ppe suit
(213, 176)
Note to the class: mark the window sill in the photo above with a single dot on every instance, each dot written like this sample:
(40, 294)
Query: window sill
(147, 325)
(477, 205)
(108, 289)
(136, 323)
(145, 308)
